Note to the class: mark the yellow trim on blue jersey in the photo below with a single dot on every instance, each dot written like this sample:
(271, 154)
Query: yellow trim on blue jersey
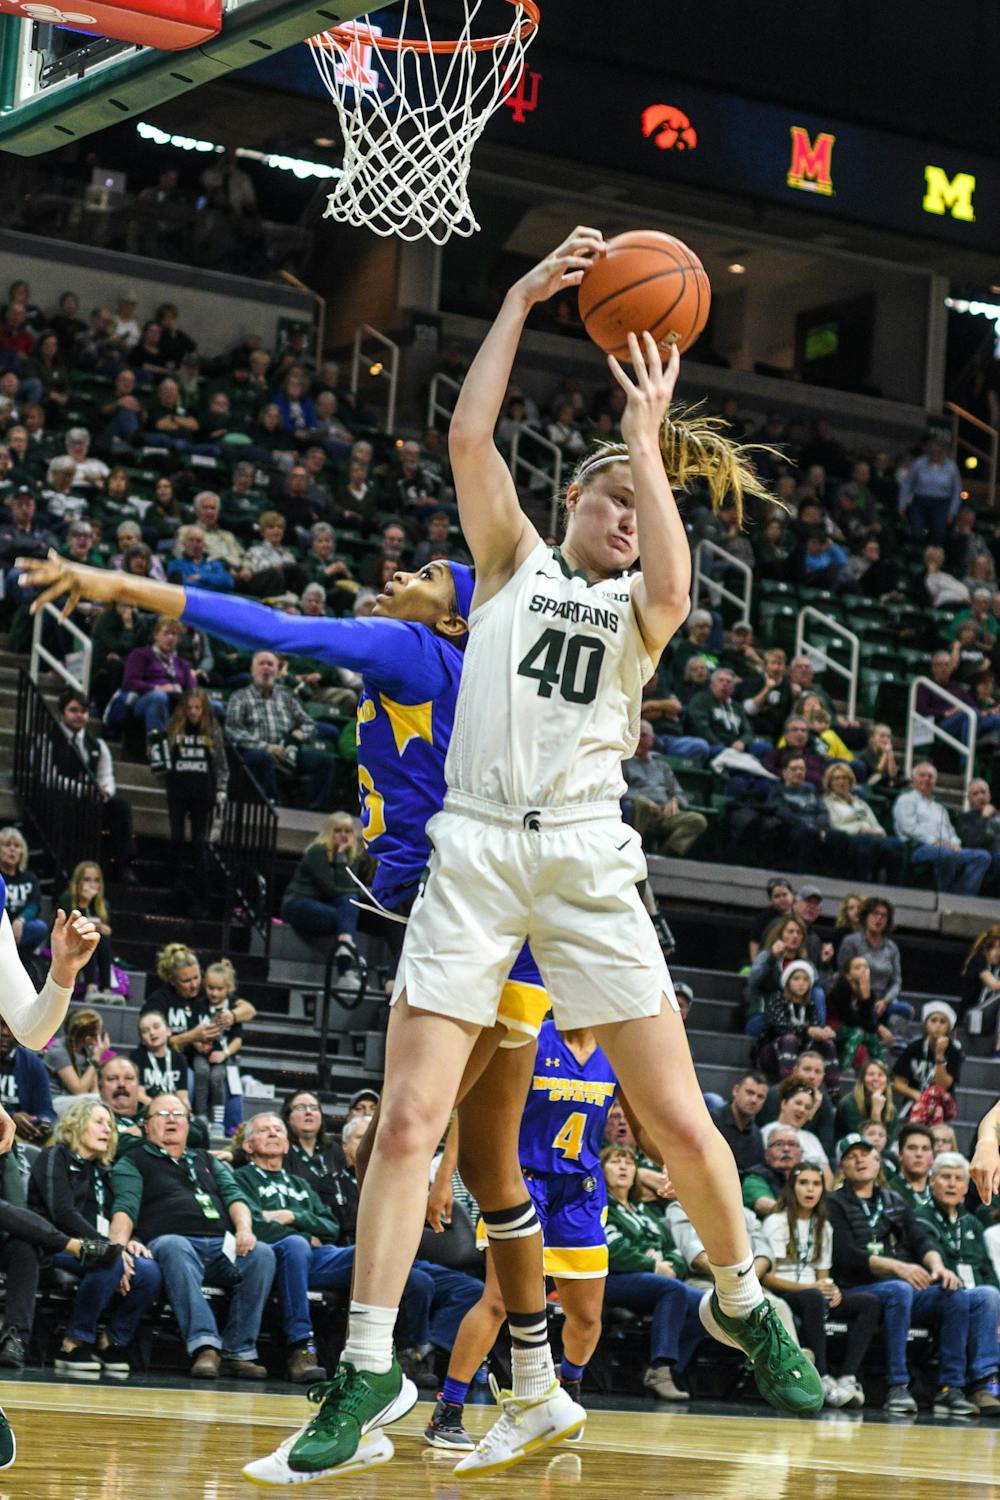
(409, 721)
(576, 1261)
(523, 1007)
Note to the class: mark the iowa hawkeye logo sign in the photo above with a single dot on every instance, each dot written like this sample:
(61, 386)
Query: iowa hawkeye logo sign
(810, 168)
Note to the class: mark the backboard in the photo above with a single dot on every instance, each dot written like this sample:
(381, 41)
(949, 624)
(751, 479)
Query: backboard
(58, 84)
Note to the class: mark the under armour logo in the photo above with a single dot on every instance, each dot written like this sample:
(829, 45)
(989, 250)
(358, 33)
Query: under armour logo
(51, 15)
(532, 820)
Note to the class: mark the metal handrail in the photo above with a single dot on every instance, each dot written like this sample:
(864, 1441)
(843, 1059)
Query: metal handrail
(245, 851)
(701, 576)
(319, 310)
(41, 653)
(850, 674)
(367, 331)
(916, 720)
(59, 794)
(518, 463)
(991, 453)
(435, 406)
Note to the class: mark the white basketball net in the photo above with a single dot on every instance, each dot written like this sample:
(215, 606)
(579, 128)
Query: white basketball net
(411, 119)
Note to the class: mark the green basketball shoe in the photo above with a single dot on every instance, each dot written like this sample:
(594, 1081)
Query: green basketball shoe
(351, 1404)
(786, 1379)
(8, 1447)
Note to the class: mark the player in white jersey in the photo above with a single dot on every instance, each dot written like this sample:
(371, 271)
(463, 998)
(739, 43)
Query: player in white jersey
(530, 845)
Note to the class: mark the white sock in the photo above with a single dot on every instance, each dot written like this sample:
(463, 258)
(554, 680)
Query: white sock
(369, 1337)
(737, 1288)
(533, 1372)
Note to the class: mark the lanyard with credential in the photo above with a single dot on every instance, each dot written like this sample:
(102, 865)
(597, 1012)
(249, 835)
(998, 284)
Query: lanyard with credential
(202, 1197)
(872, 1215)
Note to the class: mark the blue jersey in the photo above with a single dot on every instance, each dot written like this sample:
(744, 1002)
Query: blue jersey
(405, 716)
(564, 1115)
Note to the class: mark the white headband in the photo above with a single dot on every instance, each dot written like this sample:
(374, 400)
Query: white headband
(600, 462)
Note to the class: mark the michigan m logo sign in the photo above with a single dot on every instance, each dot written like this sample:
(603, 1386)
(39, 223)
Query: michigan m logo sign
(949, 195)
(810, 166)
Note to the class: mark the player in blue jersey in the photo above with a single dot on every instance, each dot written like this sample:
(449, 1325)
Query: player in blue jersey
(569, 1092)
(410, 654)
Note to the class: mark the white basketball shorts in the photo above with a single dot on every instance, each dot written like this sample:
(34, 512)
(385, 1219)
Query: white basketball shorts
(564, 879)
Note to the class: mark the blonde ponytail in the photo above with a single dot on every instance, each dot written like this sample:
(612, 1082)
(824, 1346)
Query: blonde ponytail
(695, 446)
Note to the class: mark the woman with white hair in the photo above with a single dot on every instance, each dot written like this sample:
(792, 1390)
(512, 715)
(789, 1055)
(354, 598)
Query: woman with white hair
(960, 1240)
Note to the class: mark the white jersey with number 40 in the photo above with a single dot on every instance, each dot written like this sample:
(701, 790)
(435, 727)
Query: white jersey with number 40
(551, 690)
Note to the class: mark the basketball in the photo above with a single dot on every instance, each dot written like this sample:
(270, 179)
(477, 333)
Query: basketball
(647, 281)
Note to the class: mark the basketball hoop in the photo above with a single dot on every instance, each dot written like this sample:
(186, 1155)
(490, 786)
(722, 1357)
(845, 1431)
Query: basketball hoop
(411, 109)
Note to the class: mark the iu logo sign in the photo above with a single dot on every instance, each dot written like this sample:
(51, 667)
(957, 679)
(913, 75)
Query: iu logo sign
(810, 165)
(522, 100)
(356, 68)
(949, 195)
(670, 128)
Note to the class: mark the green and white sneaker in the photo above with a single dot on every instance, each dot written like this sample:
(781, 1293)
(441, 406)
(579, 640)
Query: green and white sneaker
(522, 1428)
(351, 1404)
(273, 1471)
(784, 1376)
(8, 1445)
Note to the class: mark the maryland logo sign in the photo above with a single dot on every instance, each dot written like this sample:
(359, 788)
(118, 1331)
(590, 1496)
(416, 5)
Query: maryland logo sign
(810, 167)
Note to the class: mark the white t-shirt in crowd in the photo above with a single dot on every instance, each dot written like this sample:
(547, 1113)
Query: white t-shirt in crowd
(811, 1148)
(796, 1262)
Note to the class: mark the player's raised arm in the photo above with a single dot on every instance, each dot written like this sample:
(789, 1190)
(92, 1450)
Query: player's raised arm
(68, 583)
(497, 530)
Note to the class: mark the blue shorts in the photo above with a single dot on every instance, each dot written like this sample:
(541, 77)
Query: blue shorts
(572, 1210)
(524, 1003)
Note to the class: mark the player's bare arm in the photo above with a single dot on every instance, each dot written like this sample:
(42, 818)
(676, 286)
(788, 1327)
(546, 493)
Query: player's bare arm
(660, 595)
(497, 530)
(986, 1160)
(70, 582)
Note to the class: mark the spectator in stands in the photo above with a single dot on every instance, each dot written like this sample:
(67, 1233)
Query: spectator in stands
(792, 1022)
(66, 323)
(870, 1099)
(942, 590)
(810, 1068)
(736, 1121)
(780, 898)
(930, 493)
(158, 675)
(800, 822)
(659, 806)
(979, 827)
(968, 660)
(161, 1070)
(183, 1001)
(858, 1012)
(124, 415)
(801, 1241)
(714, 716)
(85, 894)
(322, 565)
(118, 629)
(319, 898)
(219, 543)
(698, 633)
(180, 1215)
(118, 506)
(767, 696)
(796, 1106)
(980, 973)
(936, 706)
(873, 942)
(298, 414)
(928, 1069)
(875, 856)
(796, 738)
(270, 567)
(436, 542)
(90, 471)
(645, 1275)
(241, 502)
(319, 1161)
(849, 913)
(765, 1180)
(194, 568)
(926, 824)
(24, 1089)
(74, 1059)
(24, 895)
(197, 776)
(71, 1186)
(884, 771)
(95, 755)
(878, 1244)
(944, 1138)
(118, 1083)
(915, 1154)
(964, 545)
(412, 488)
(958, 1237)
(21, 536)
(271, 730)
(783, 943)
(822, 561)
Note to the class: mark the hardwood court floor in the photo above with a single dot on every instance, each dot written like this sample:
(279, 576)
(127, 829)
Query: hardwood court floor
(100, 1443)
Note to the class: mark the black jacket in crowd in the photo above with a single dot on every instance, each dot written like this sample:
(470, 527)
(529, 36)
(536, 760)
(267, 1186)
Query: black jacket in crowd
(893, 1225)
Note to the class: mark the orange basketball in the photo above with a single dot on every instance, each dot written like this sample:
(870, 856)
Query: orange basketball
(648, 281)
